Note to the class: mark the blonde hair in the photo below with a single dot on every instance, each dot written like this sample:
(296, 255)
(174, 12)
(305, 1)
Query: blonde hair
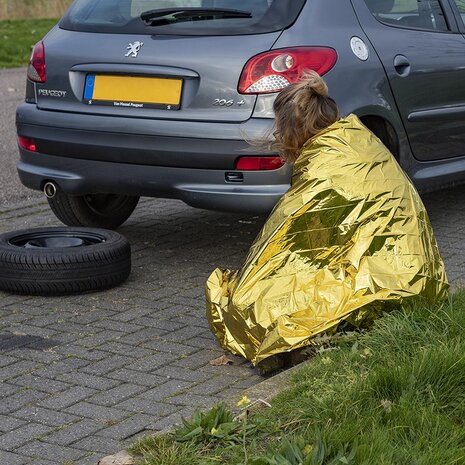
(302, 110)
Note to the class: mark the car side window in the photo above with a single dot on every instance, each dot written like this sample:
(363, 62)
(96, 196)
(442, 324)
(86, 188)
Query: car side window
(412, 14)
(461, 7)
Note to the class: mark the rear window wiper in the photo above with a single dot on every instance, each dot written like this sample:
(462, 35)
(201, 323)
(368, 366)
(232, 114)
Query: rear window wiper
(164, 16)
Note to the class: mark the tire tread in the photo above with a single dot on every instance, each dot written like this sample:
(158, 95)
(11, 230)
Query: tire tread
(74, 211)
(52, 272)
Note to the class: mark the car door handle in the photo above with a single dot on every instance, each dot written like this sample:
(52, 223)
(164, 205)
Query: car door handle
(402, 65)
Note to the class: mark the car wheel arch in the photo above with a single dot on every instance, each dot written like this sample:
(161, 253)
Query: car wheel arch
(384, 130)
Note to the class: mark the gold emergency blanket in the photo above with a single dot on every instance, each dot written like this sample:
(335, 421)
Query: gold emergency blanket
(350, 237)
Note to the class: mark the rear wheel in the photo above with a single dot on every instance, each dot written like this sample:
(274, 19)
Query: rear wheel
(93, 210)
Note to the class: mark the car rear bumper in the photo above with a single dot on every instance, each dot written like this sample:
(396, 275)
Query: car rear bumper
(143, 141)
(199, 188)
(189, 161)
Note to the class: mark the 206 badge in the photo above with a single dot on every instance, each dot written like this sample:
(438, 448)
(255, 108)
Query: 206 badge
(134, 49)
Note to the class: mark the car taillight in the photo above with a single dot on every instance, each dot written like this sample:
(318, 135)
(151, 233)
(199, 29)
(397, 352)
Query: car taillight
(274, 70)
(27, 143)
(259, 163)
(36, 69)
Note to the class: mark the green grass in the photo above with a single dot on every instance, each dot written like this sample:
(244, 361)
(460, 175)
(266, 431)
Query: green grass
(395, 396)
(17, 37)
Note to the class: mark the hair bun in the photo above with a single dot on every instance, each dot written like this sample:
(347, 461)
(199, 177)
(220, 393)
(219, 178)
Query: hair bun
(302, 110)
(315, 83)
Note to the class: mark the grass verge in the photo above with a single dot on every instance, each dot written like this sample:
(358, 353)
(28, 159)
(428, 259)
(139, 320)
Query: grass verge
(394, 395)
(17, 37)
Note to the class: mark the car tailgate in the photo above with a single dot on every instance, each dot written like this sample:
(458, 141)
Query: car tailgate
(206, 70)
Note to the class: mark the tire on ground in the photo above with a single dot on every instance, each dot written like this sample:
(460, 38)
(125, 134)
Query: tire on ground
(63, 270)
(94, 210)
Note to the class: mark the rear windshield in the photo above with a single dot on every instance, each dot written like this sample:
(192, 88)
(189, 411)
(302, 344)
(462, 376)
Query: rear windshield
(124, 16)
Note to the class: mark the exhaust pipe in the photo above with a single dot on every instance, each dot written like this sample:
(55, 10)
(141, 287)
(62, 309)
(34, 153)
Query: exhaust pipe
(50, 190)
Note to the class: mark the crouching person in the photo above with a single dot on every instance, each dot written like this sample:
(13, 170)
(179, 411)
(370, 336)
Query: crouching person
(350, 237)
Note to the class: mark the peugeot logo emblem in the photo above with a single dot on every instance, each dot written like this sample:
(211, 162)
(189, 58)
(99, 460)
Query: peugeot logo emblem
(134, 49)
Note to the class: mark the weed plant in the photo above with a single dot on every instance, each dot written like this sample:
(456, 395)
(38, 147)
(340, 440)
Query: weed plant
(392, 396)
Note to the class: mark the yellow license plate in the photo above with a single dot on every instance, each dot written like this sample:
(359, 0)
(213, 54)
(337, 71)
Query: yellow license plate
(133, 91)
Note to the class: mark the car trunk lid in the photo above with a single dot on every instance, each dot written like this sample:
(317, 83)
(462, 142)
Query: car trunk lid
(202, 72)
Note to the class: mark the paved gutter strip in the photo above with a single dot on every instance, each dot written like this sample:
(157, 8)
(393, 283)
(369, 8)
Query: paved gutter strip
(84, 376)
(260, 396)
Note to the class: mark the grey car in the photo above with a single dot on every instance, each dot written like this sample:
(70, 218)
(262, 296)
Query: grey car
(130, 98)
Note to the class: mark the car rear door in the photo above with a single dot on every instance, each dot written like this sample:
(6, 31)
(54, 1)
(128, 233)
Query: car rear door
(423, 53)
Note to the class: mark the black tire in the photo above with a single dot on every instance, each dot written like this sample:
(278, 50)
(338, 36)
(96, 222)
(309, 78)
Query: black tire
(58, 261)
(93, 210)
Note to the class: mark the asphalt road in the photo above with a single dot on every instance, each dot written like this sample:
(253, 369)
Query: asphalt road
(12, 85)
